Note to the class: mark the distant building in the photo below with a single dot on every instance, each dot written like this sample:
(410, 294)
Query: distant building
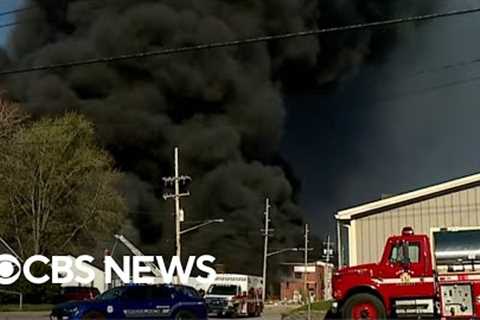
(362, 230)
(318, 281)
(98, 282)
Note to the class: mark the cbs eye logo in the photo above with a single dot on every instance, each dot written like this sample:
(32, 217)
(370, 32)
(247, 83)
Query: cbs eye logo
(10, 269)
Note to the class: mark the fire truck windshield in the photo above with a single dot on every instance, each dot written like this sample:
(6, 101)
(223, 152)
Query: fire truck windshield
(398, 254)
(223, 290)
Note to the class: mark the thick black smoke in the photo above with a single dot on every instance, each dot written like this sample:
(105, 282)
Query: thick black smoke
(222, 107)
(415, 121)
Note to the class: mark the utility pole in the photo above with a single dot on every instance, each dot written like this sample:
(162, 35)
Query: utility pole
(176, 180)
(327, 250)
(266, 234)
(327, 272)
(305, 284)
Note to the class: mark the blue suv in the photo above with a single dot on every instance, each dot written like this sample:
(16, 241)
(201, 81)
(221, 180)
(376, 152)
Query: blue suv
(133, 302)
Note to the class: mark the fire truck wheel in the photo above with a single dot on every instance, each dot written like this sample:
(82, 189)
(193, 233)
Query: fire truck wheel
(330, 315)
(363, 306)
(94, 316)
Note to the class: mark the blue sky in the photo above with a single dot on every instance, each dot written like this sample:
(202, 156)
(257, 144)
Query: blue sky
(7, 5)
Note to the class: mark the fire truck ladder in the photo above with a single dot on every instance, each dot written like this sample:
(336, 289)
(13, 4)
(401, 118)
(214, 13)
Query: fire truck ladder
(130, 246)
(7, 246)
(11, 292)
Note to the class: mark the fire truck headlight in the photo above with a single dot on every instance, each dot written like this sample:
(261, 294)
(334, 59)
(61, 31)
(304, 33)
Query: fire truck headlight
(335, 306)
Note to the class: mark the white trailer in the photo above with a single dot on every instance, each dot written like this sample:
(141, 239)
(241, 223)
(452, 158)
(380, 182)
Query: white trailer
(235, 294)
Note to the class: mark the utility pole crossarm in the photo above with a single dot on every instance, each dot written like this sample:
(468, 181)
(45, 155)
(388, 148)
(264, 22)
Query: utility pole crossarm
(167, 196)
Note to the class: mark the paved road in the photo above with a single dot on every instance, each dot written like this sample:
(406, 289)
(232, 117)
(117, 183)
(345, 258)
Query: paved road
(29, 316)
(24, 315)
(271, 313)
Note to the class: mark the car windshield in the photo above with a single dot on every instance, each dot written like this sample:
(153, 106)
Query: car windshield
(223, 290)
(110, 294)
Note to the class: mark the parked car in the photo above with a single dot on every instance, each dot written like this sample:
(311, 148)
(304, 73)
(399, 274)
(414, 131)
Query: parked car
(78, 293)
(133, 302)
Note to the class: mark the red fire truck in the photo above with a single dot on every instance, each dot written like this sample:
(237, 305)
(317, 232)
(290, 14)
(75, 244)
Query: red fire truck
(417, 276)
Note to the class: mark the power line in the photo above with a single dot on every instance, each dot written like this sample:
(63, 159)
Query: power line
(422, 91)
(6, 13)
(11, 24)
(9, 12)
(31, 7)
(223, 44)
(386, 99)
(462, 63)
(28, 8)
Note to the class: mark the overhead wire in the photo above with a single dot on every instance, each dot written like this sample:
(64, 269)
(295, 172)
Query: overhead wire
(23, 9)
(9, 12)
(263, 39)
(239, 42)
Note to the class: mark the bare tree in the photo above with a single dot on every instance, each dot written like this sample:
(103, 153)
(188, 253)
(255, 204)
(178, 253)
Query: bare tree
(11, 117)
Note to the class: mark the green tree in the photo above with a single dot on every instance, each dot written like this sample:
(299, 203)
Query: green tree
(58, 187)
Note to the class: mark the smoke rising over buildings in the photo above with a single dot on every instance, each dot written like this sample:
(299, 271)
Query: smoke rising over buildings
(407, 121)
(223, 108)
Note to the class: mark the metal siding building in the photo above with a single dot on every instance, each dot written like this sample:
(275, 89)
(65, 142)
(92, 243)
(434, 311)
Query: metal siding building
(362, 230)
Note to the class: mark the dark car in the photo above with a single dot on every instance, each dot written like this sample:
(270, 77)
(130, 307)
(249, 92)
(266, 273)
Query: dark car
(78, 293)
(133, 302)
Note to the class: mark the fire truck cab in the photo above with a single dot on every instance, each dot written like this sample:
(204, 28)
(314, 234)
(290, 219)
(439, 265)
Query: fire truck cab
(414, 277)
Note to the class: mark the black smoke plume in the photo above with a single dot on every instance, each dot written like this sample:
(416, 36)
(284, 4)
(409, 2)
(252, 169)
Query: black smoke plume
(222, 107)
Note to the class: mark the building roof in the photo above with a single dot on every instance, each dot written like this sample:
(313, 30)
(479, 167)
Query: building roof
(409, 197)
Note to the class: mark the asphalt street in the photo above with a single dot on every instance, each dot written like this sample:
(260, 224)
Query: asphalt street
(271, 313)
(28, 316)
